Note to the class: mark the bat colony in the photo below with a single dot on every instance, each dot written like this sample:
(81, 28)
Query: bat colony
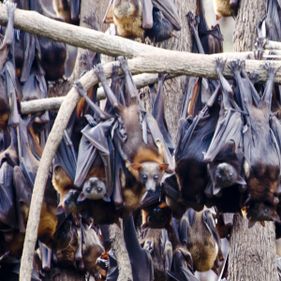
(116, 162)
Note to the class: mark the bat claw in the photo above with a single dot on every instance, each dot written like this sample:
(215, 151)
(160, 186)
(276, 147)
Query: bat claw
(99, 71)
(123, 63)
(220, 64)
(237, 65)
(11, 7)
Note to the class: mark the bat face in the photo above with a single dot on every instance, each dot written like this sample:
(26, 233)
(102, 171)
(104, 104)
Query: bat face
(225, 175)
(149, 174)
(94, 189)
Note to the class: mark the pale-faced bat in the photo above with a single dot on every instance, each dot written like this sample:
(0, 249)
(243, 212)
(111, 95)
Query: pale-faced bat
(145, 161)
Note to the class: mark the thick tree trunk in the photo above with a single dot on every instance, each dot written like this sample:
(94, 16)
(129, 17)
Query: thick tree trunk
(252, 250)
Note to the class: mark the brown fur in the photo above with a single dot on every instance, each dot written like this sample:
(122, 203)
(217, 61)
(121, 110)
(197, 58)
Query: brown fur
(222, 8)
(48, 224)
(202, 246)
(127, 17)
(61, 182)
(62, 9)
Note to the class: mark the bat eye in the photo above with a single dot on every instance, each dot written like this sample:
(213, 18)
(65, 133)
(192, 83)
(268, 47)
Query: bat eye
(156, 177)
(144, 177)
(88, 189)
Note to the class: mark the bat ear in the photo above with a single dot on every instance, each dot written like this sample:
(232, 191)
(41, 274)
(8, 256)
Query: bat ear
(135, 166)
(81, 197)
(60, 210)
(241, 181)
(163, 166)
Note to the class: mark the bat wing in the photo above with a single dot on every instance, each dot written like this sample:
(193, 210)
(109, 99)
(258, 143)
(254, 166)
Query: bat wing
(180, 269)
(9, 34)
(75, 10)
(159, 114)
(23, 196)
(8, 216)
(66, 156)
(169, 10)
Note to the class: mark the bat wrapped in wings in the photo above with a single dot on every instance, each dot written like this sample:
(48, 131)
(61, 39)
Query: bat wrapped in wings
(144, 18)
(262, 155)
(194, 137)
(225, 153)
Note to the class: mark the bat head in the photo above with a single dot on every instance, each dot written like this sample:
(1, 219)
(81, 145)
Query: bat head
(93, 189)
(226, 175)
(261, 212)
(149, 173)
(69, 201)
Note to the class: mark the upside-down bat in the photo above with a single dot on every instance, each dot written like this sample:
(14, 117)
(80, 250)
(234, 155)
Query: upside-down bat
(182, 266)
(52, 58)
(137, 19)
(224, 155)
(194, 137)
(68, 10)
(140, 259)
(154, 210)
(261, 169)
(225, 8)
(198, 232)
(145, 161)
(272, 20)
(205, 40)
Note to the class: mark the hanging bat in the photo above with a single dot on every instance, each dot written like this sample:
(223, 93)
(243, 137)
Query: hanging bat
(271, 22)
(224, 155)
(64, 167)
(141, 262)
(198, 232)
(156, 242)
(154, 210)
(194, 137)
(225, 8)
(145, 161)
(159, 114)
(205, 40)
(261, 170)
(182, 266)
(134, 18)
(68, 10)
(52, 58)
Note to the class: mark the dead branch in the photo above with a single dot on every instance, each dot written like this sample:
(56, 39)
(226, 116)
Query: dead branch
(54, 103)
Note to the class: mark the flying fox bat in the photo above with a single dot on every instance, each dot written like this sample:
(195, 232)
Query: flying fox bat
(155, 212)
(198, 232)
(261, 170)
(68, 10)
(159, 114)
(205, 40)
(182, 266)
(141, 262)
(225, 8)
(145, 161)
(194, 137)
(52, 58)
(137, 19)
(224, 155)
(156, 242)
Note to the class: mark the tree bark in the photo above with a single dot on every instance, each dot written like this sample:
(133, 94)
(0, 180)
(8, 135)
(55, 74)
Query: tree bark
(175, 86)
(252, 250)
